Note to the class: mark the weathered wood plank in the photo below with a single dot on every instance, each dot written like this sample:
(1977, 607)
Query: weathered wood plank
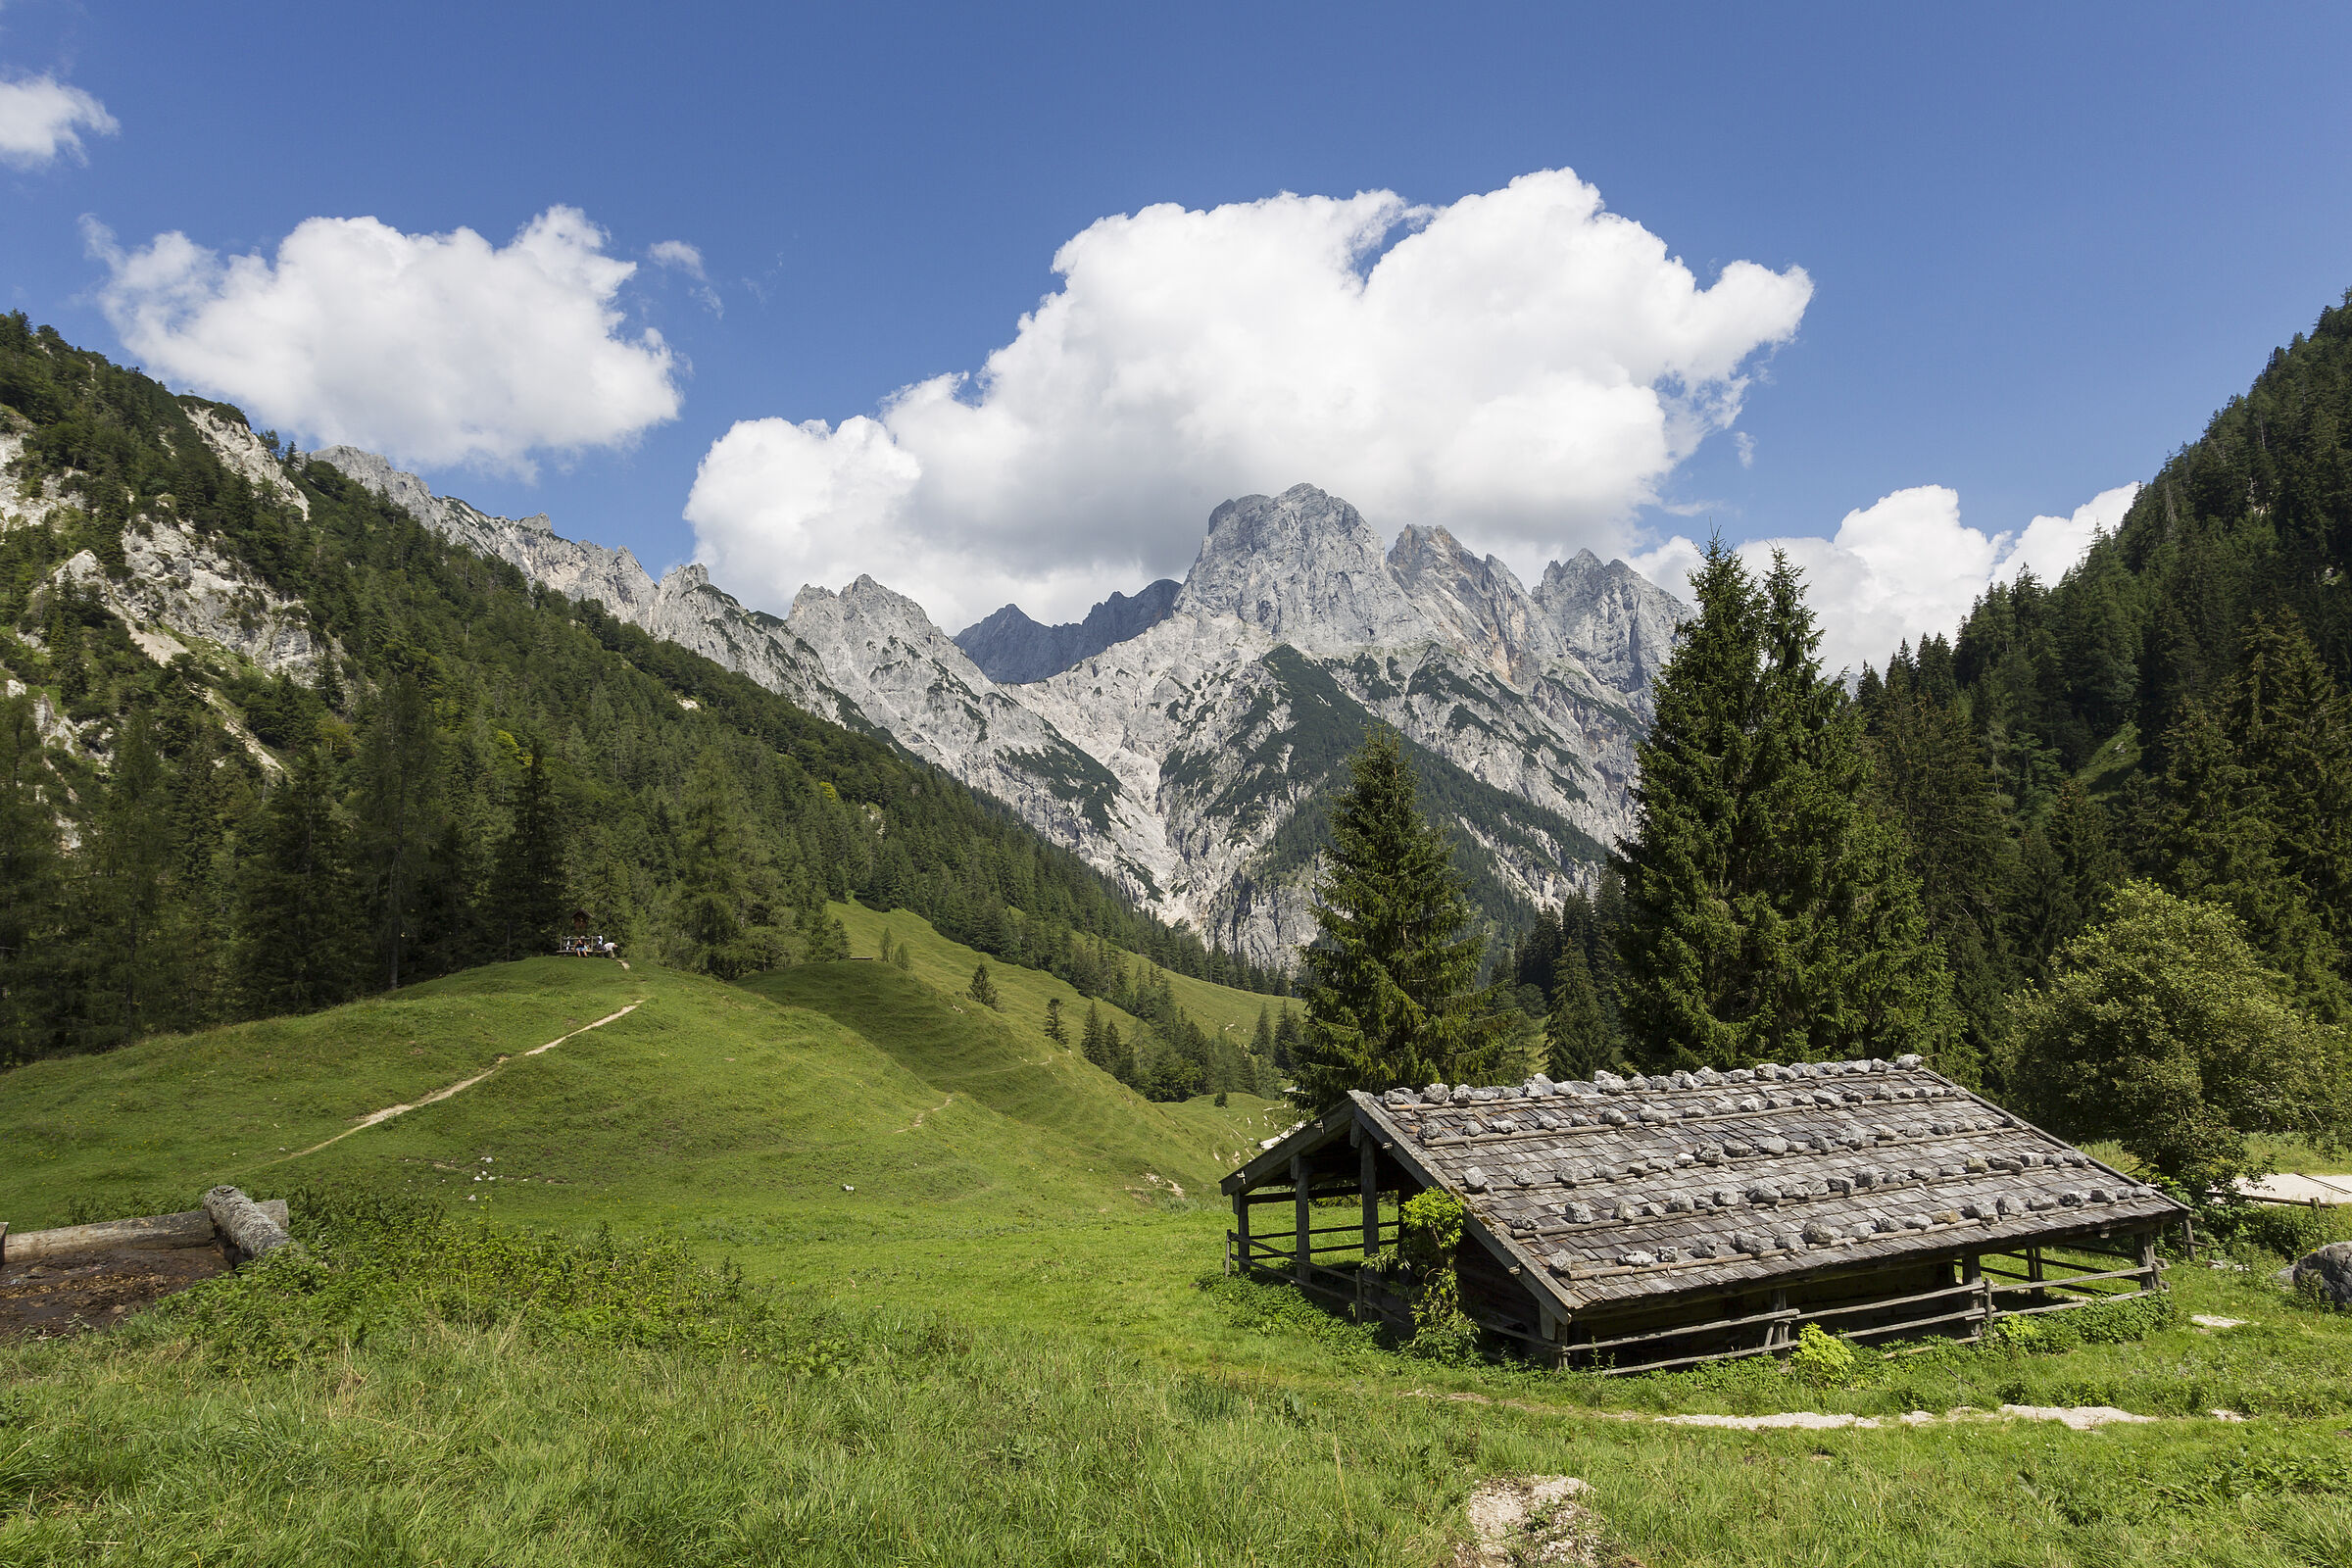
(193, 1228)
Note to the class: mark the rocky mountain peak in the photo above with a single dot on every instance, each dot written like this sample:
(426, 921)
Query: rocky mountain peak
(1619, 623)
(1477, 605)
(1303, 567)
(376, 472)
(1014, 650)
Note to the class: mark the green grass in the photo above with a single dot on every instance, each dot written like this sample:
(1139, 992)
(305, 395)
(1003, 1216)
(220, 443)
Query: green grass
(1006, 1345)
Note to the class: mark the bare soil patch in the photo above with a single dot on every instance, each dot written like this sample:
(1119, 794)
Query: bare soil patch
(81, 1291)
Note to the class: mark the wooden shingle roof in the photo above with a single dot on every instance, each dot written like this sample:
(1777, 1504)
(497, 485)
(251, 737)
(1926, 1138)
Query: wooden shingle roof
(1629, 1190)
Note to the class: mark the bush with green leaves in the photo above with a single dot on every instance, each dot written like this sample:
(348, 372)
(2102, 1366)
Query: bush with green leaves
(1821, 1357)
(2164, 1030)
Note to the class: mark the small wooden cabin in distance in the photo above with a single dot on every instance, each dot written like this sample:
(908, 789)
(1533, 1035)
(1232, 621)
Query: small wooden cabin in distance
(1654, 1222)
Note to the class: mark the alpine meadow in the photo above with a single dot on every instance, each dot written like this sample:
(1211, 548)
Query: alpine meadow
(985, 817)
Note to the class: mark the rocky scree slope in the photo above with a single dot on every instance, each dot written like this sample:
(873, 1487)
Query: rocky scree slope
(1191, 760)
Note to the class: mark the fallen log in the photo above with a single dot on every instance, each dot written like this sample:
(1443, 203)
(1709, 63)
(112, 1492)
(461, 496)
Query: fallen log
(243, 1223)
(193, 1228)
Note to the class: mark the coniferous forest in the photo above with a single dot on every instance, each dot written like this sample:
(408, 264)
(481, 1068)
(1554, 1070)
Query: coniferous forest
(2076, 853)
(475, 767)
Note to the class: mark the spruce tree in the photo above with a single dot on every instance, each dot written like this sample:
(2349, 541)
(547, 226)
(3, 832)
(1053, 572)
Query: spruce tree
(29, 886)
(2219, 843)
(299, 943)
(1054, 1027)
(983, 990)
(1576, 1037)
(129, 966)
(529, 895)
(711, 915)
(1394, 996)
(1768, 912)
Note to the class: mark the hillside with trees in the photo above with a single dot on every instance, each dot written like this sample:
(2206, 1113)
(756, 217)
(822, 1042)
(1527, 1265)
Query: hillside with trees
(473, 766)
(2109, 807)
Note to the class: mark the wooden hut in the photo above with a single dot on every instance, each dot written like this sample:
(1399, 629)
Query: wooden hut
(1656, 1222)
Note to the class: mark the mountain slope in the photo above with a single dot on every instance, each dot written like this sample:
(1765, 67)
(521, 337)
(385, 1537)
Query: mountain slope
(1166, 755)
(267, 742)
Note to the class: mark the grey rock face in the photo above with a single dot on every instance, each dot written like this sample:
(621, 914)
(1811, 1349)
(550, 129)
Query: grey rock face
(1617, 623)
(1303, 568)
(2329, 1271)
(1011, 650)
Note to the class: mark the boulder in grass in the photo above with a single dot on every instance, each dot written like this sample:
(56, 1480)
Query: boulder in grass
(2328, 1271)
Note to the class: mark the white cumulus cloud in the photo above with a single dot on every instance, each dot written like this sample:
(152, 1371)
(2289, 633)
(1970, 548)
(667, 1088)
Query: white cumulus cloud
(436, 349)
(41, 119)
(1905, 567)
(1524, 366)
(2049, 546)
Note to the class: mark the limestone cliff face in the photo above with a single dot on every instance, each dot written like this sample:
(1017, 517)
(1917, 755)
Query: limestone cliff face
(1189, 758)
(1616, 622)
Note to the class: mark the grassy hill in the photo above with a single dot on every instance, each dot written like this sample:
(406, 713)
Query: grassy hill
(776, 1095)
(1006, 1344)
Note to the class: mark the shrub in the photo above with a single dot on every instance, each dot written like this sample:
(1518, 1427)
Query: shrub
(1822, 1359)
(1429, 1231)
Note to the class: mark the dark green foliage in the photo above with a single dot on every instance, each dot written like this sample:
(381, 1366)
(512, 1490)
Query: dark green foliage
(1576, 1037)
(2165, 1031)
(1769, 915)
(474, 762)
(1054, 1030)
(1393, 997)
(298, 932)
(983, 990)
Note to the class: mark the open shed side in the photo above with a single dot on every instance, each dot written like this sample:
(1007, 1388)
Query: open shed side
(1650, 1222)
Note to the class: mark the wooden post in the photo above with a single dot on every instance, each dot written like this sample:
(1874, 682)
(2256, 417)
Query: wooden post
(1776, 1332)
(2147, 1259)
(1369, 1181)
(1971, 1272)
(2033, 1264)
(1301, 1259)
(1241, 1228)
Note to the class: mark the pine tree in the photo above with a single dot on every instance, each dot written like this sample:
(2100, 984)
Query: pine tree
(711, 914)
(1768, 913)
(983, 990)
(1261, 1040)
(28, 886)
(885, 948)
(529, 895)
(298, 935)
(128, 967)
(1576, 1037)
(1054, 1027)
(1090, 1042)
(904, 958)
(1395, 997)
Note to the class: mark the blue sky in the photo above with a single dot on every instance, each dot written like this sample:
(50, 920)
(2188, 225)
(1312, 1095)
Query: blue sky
(2041, 248)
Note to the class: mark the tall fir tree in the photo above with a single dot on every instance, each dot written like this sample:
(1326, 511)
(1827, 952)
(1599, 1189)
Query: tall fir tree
(1576, 1036)
(1769, 913)
(29, 886)
(1394, 994)
(529, 892)
(298, 942)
